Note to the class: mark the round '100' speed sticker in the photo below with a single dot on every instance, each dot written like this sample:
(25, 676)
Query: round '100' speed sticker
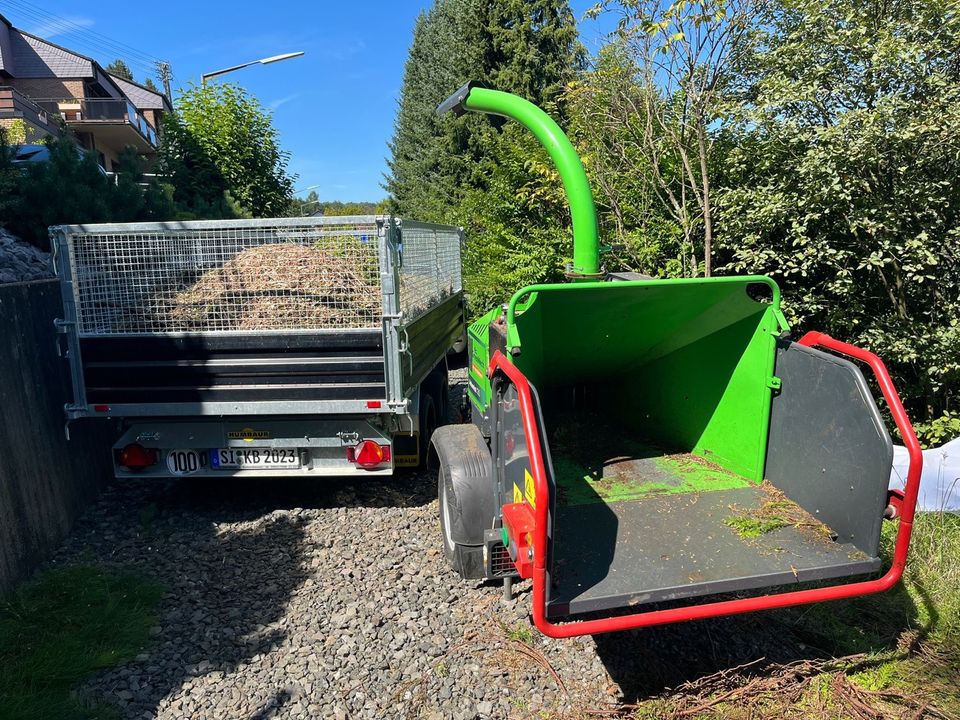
(184, 462)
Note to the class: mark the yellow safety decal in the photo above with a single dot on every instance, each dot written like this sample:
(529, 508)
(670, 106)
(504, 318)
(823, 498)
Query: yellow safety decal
(529, 489)
(517, 495)
(248, 434)
(406, 461)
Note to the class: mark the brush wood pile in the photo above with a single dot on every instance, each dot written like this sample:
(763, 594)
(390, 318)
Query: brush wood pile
(272, 287)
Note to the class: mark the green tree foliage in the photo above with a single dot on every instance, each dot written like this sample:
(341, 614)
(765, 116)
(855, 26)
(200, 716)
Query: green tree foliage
(610, 133)
(134, 198)
(531, 47)
(119, 68)
(71, 188)
(817, 140)
(312, 205)
(199, 189)
(221, 148)
(337, 208)
(426, 175)
(303, 206)
(518, 222)
(8, 177)
(685, 55)
(472, 171)
(842, 180)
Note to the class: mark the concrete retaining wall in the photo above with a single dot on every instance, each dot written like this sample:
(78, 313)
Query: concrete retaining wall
(45, 481)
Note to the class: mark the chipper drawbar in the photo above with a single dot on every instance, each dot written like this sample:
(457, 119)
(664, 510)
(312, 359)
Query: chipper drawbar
(655, 451)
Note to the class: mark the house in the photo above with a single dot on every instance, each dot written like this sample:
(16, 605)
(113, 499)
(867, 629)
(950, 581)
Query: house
(42, 84)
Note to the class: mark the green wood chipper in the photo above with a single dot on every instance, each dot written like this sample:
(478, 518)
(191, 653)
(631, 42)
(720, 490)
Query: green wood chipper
(653, 451)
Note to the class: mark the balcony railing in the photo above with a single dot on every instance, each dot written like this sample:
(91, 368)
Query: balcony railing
(17, 105)
(100, 109)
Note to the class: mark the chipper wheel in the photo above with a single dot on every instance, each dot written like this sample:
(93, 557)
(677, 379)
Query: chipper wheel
(466, 495)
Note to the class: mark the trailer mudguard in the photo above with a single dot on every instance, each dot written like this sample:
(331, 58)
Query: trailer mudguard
(467, 473)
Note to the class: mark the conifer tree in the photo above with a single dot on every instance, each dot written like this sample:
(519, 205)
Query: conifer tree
(528, 47)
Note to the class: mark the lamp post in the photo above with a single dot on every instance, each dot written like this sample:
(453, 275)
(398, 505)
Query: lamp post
(261, 61)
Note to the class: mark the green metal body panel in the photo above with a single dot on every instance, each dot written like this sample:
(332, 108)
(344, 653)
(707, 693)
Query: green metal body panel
(684, 364)
(478, 343)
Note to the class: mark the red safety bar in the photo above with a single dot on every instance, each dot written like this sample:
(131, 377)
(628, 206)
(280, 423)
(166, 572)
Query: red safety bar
(500, 363)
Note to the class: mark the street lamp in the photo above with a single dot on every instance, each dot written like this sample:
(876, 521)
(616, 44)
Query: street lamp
(261, 61)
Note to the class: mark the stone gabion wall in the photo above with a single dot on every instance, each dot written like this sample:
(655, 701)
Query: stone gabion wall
(22, 262)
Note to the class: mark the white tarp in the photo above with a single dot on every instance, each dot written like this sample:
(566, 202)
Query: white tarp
(940, 481)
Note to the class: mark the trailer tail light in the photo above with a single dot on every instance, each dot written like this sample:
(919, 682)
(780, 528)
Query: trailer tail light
(369, 454)
(136, 457)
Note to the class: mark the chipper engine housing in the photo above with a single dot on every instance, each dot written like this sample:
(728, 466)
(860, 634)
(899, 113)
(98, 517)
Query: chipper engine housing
(653, 451)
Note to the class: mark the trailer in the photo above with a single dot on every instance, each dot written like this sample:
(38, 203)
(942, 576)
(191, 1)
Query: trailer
(310, 346)
(655, 451)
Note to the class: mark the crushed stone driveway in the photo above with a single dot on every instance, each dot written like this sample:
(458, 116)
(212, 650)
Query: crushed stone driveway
(332, 599)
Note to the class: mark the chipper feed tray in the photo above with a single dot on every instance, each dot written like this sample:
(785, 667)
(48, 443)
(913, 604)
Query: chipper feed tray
(662, 482)
(653, 451)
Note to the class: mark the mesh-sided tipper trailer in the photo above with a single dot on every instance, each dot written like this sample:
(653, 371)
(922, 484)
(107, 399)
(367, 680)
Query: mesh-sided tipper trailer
(296, 346)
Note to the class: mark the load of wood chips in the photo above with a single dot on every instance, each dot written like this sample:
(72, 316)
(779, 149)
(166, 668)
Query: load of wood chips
(278, 286)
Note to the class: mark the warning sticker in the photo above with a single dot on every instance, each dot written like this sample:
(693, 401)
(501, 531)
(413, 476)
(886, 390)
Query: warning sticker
(529, 490)
(517, 495)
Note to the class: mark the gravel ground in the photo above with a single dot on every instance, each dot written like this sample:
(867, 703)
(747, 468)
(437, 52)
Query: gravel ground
(307, 600)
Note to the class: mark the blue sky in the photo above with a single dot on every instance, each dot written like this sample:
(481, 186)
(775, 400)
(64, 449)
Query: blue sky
(334, 107)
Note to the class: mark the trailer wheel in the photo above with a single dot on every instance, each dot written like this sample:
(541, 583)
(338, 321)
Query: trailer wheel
(443, 396)
(428, 425)
(466, 560)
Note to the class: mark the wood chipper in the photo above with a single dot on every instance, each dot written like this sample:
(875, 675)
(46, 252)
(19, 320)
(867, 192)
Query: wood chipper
(653, 451)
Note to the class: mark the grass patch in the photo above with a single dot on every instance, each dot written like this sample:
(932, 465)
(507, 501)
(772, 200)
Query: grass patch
(776, 511)
(520, 633)
(895, 654)
(749, 527)
(61, 627)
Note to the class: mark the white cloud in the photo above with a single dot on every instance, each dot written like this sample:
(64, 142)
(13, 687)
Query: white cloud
(53, 28)
(342, 49)
(284, 100)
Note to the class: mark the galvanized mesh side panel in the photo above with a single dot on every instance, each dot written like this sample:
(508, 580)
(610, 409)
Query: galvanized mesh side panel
(237, 276)
(429, 267)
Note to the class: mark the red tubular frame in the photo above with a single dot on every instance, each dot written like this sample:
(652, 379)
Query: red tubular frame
(499, 363)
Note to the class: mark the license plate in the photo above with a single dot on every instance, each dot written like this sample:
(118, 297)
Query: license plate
(279, 458)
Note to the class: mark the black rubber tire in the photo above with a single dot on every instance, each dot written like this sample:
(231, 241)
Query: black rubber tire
(466, 560)
(428, 423)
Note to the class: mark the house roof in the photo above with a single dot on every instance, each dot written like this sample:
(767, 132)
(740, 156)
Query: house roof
(142, 97)
(5, 50)
(23, 55)
(35, 57)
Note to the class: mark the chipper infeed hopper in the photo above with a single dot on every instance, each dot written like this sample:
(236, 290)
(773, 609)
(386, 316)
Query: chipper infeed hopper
(652, 451)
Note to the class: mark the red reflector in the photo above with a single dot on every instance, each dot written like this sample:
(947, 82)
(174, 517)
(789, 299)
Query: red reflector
(373, 403)
(136, 457)
(101, 408)
(509, 444)
(369, 454)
